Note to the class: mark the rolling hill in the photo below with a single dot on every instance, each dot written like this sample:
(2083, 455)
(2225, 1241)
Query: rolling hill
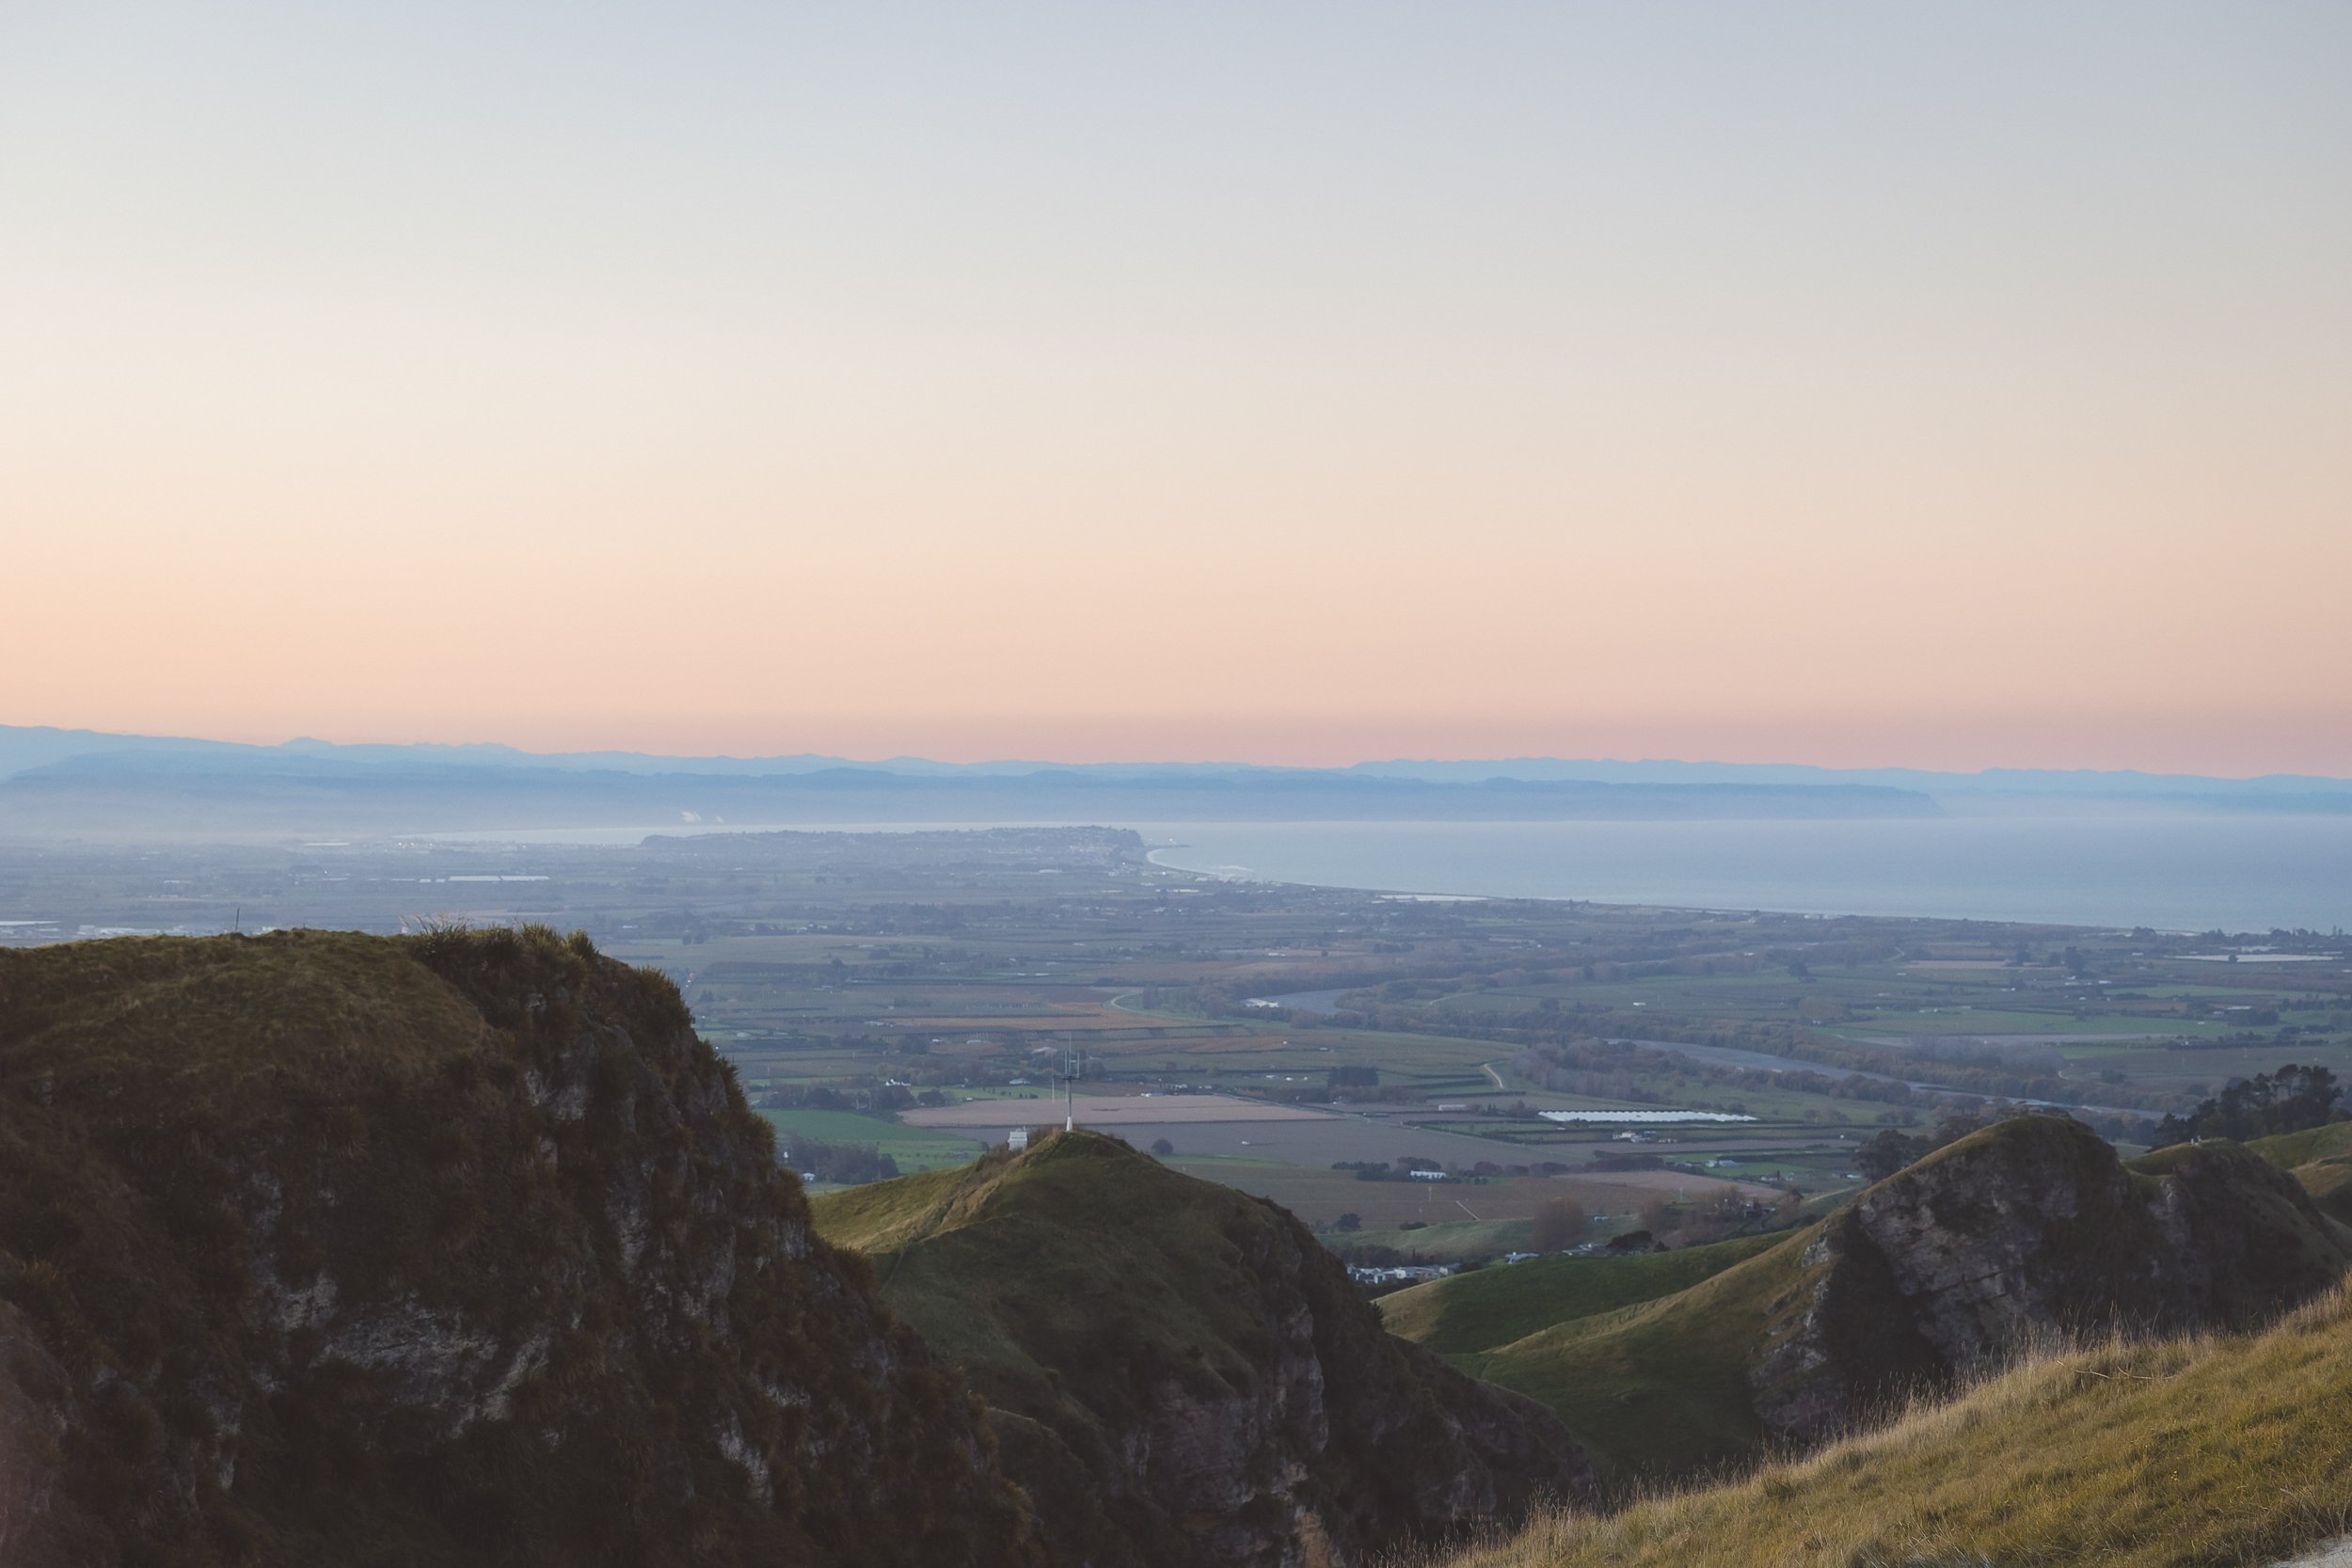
(2021, 1234)
(2320, 1159)
(1181, 1374)
(2199, 1451)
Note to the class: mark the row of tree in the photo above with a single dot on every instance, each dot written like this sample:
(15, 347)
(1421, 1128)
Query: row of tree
(2288, 1101)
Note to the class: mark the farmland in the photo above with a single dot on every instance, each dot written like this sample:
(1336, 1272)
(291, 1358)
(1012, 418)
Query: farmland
(922, 992)
(912, 1147)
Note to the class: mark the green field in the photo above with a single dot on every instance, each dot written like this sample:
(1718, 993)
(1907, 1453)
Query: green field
(1464, 1317)
(964, 964)
(914, 1147)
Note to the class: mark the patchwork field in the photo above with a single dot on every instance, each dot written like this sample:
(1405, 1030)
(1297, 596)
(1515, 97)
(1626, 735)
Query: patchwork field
(1321, 1196)
(852, 976)
(1125, 1111)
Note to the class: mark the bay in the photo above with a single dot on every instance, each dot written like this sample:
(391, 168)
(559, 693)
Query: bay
(2179, 873)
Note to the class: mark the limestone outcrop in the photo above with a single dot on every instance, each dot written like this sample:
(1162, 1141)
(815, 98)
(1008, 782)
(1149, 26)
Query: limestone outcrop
(2030, 1231)
(457, 1249)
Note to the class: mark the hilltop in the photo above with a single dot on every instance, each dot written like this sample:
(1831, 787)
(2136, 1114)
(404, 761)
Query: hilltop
(455, 1249)
(2026, 1231)
(1181, 1374)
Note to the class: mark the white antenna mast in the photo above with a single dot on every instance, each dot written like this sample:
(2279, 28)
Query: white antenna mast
(1071, 1066)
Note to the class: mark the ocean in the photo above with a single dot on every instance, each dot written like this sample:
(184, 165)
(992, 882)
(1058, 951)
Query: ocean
(2178, 872)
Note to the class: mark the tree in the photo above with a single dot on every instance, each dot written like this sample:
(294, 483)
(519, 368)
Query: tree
(2288, 1100)
(1887, 1153)
(1162, 1148)
(1561, 1223)
(1349, 1221)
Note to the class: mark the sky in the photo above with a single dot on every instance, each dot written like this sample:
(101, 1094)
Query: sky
(1948, 386)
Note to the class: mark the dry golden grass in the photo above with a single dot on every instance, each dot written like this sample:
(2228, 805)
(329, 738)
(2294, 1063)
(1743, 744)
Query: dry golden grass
(2186, 1453)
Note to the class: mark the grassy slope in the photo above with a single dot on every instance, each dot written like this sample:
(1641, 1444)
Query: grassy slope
(1660, 1387)
(1470, 1313)
(883, 1216)
(1141, 1336)
(2203, 1451)
(981, 1261)
(2321, 1160)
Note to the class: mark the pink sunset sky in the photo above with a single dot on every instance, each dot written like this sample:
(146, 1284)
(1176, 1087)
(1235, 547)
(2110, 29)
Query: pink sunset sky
(1307, 383)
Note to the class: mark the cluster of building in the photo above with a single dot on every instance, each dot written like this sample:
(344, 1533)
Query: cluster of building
(1401, 1273)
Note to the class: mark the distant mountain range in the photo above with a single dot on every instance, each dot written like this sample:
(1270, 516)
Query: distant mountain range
(57, 781)
(2087, 782)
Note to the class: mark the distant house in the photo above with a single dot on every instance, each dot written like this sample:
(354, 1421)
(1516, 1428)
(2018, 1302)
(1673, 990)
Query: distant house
(1400, 1275)
(1426, 1175)
(1018, 1139)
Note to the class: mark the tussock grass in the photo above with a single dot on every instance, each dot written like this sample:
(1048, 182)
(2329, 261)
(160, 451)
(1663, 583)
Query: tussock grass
(2190, 1452)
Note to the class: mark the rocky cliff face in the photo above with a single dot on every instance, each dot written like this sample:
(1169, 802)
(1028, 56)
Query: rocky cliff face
(2030, 1229)
(460, 1249)
(1183, 1377)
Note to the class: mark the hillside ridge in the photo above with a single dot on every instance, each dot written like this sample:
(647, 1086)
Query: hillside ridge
(453, 1249)
(1181, 1374)
(2028, 1232)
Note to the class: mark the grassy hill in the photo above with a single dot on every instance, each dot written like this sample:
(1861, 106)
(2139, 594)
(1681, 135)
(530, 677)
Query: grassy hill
(1661, 1387)
(1464, 1315)
(2025, 1230)
(2320, 1159)
(1180, 1374)
(2191, 1452)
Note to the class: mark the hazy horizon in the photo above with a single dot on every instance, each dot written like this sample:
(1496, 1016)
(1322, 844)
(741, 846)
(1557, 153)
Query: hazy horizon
(1696, 764)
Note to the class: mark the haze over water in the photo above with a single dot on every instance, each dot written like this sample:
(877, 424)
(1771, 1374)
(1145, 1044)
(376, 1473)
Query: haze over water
(2184, 873)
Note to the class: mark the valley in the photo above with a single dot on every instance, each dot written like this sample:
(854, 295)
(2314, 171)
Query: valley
(381, 1233)
(921, 993)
